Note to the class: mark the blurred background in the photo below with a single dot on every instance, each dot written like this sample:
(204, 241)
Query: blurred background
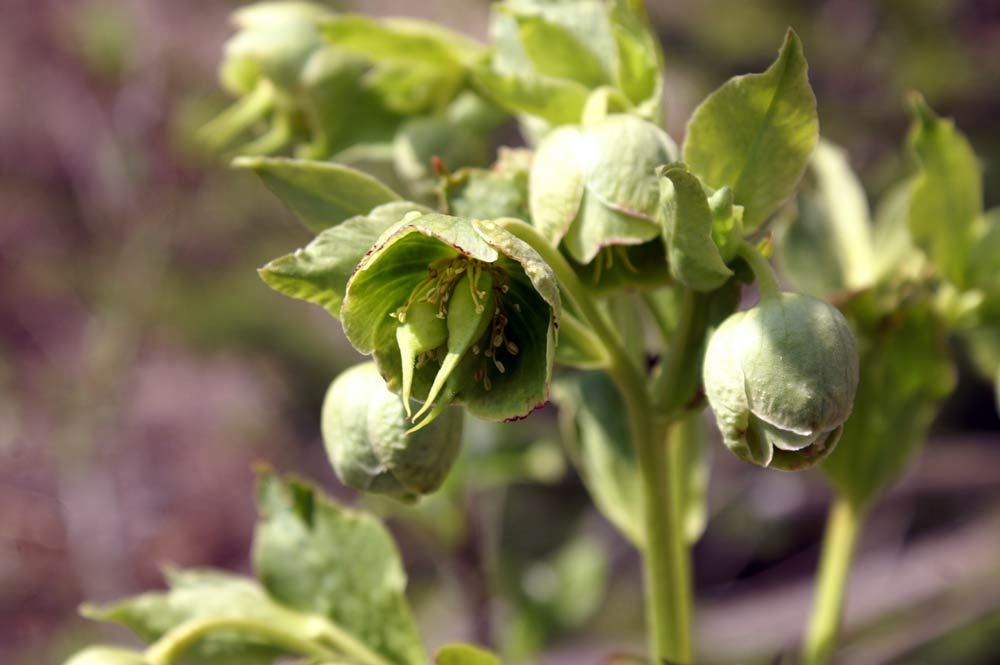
(144, 368)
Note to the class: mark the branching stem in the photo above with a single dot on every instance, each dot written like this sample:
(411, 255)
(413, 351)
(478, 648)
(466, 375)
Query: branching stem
(665, 554)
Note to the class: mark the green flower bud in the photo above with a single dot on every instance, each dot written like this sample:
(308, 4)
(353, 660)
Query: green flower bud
(456, 310)
(594, 188)
(106, 655)
(365, 432)
(781, 378)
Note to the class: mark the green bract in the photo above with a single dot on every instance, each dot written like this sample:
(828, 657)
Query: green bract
(365, 431)
(781, 379)
(595, 187)
(456, 310)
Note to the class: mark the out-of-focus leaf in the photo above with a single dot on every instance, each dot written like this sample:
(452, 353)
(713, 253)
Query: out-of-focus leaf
(571, 583)
(983, 266)
(318, 272)
(556, 53)
(464, 654)
(595, 431)
(828, 248)
(982, 344)
(557, 101)
(687, 229)
(906, 371)
(421, 140)
(640, 74)
(896, 257)
(691, 434)
(316, 556)
(482, 194)
(321, 194)
(756, 133)
(947, 195)
(198, 594)
(401, 40)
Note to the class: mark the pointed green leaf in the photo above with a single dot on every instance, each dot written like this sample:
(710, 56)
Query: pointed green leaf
(557, 101)
(906, 372)
(556, 53)
(318, 557)
(640, 74)
(464, 654)
(687, 229)
(756, 133)
(948, 193)
(318, 273)
(321, 194)
(201, 594)
(896, 256)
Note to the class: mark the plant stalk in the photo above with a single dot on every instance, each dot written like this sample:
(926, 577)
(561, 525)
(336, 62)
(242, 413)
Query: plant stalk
(843, 530)
(665, 556)
(666, 559)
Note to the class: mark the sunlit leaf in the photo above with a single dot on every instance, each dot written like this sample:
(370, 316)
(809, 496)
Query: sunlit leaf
(321, 194)
(756, 133)
(315, 556)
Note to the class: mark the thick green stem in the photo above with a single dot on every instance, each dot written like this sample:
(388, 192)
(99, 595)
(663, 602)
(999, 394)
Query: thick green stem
(665, 555)
(843, 530)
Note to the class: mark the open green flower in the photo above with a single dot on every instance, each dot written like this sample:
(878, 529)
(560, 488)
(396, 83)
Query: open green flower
(365, 432)
(456, 310)
(594, 188)
(781, 378)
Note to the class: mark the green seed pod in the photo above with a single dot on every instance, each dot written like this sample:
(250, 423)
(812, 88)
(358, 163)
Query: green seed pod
(470, 311)
(781, 379)
(365, 432)
(106, 655)
(421, 330)
(595, 187)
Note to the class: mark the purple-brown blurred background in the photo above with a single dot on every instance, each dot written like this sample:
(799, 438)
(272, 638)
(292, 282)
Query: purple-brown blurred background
(144, 368)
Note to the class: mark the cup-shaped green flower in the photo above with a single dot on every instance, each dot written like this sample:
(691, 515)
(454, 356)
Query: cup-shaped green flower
(456, 310)
(595, 188)
(365, 432)
(781, 378)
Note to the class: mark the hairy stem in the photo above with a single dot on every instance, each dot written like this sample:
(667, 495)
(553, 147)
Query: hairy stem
(843, 530)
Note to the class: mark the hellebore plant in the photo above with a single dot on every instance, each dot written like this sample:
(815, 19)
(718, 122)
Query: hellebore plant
(467, 286)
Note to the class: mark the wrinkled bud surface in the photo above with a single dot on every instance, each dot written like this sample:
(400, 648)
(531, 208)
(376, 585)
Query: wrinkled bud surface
(595, 187)
(365, 432)
(781, 379)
